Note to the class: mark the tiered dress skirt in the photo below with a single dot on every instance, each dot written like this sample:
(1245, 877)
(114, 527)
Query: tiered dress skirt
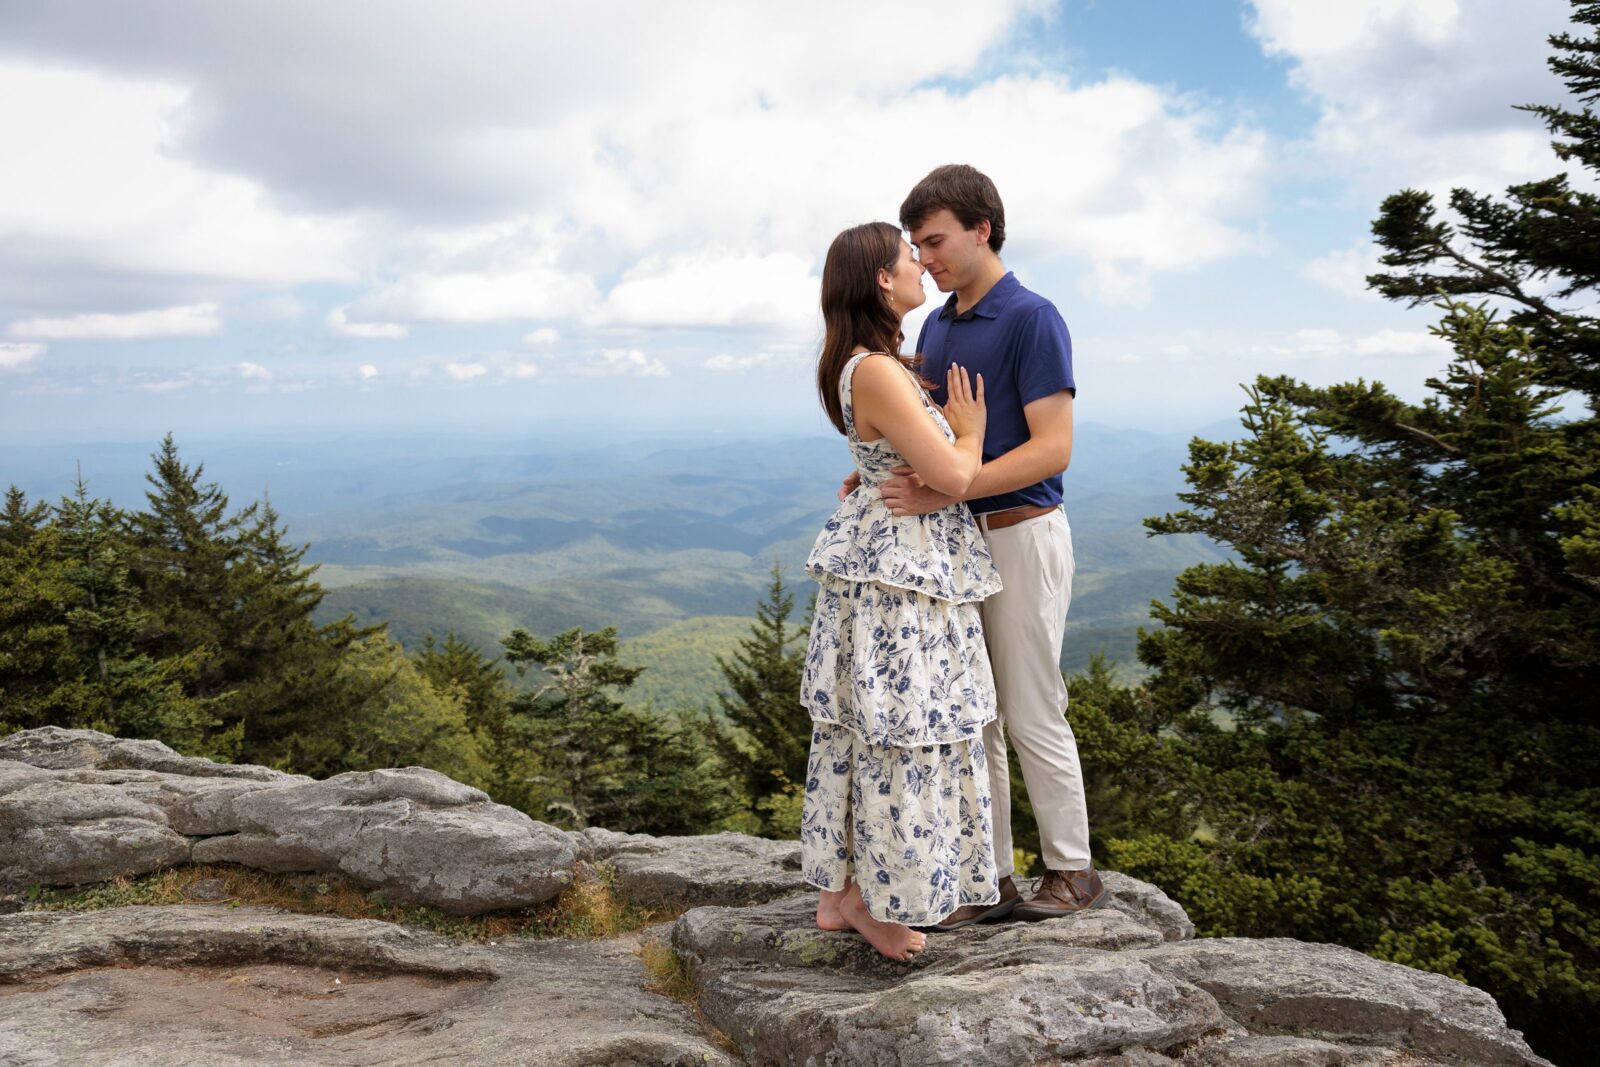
(898, 687)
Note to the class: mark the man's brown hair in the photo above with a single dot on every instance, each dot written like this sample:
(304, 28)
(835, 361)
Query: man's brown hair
(966, 191)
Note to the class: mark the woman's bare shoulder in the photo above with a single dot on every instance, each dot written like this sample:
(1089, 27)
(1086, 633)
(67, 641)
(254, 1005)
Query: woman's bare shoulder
(882, 374)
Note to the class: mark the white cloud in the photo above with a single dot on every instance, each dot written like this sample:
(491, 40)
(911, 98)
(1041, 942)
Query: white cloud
(723, 363)
(521, 369)
(613, 362)
(254, 371)
(95, 195)
(279, 308)
(14, 355)
(1388, 342)
(1326, 343)
(194, 320)
(1177, 351)
(544, 335)
(1421, 92)
(495, 273)
(148, 384)
(713, 287)
(1345, 270)
(339, 323)
(465, 372)
(367, 372)
(489, 163)
(465, 112)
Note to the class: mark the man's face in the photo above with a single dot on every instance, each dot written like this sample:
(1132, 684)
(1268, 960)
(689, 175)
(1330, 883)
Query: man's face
(949, 253)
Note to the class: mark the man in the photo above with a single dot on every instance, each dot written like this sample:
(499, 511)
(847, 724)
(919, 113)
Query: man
(1017, 340)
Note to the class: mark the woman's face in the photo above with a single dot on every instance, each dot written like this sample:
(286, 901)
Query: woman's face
(905, 284)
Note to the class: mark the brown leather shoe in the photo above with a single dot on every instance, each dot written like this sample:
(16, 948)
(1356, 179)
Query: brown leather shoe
(1063, 893)
(981, 913)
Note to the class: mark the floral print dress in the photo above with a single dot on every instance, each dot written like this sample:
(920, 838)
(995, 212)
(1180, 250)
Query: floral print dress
(898, 686)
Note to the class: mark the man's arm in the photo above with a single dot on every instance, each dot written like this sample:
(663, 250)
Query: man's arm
(1047, 451)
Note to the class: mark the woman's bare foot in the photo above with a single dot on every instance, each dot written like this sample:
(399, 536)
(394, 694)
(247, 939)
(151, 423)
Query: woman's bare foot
(828, 915)
(890, 939)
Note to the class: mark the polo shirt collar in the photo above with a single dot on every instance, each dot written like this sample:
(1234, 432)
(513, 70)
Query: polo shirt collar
(989, 307)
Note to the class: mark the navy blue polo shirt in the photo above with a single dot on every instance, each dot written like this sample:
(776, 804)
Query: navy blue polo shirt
(1017, 340)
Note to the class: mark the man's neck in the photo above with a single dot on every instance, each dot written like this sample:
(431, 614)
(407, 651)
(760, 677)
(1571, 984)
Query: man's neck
(970, 294)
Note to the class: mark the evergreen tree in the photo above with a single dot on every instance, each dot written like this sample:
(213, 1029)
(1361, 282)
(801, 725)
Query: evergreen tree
(402, 719)
(1374, 726)
(20, 520)
(69, 615)
(187, 561)
(479, 683)
(231, 592)
(608, 765)
(456, 664)
(764, 734)
(288, 671)
(34, 640)
(106, 684)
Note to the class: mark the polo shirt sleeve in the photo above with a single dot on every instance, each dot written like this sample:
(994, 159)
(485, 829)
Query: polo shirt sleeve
(1044, 355)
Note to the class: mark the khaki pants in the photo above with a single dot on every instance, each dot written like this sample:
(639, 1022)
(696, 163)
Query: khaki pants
(1023, 625)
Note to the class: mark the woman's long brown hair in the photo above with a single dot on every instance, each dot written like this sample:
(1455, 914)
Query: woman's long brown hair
(855, 310)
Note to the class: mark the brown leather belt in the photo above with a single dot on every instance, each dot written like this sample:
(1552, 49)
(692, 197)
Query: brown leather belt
(999, 520)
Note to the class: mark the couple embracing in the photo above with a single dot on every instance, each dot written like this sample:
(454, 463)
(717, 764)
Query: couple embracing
(945, 576)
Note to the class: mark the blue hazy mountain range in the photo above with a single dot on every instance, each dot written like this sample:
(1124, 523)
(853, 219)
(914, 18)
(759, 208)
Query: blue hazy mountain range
(669, 539)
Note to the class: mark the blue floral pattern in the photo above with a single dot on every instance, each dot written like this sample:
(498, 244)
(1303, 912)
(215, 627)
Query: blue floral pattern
(912, 825)
(941, 554)
(898, 685)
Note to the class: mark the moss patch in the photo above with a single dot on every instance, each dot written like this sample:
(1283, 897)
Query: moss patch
(588, 909)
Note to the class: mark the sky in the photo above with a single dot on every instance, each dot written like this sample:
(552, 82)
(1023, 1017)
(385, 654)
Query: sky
(313, 219)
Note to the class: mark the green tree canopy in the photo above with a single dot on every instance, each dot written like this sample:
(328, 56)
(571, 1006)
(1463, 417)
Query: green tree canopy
(764, 734)
(1375, 725)
(606, 764)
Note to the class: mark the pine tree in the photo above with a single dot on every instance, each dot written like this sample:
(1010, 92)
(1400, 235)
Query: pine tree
(457, 668)
(69, 615)
(186, 562)
(1513, 249)
(402, 720)
(288, 670)
(20, 520)
(231, 592)
(107, 684)
(34, 639)
(764, 735)
(1374, 725)
(608, 764)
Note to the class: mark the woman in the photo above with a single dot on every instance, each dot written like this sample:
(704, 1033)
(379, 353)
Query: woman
(895, 829)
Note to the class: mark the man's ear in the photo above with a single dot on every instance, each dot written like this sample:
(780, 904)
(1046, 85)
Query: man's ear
(983, 229)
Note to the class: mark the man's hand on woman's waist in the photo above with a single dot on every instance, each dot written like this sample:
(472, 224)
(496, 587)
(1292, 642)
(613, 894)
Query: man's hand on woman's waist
(906, 495)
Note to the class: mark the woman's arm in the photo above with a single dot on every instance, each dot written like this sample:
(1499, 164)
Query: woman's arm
(887, 403)
(1047, 451)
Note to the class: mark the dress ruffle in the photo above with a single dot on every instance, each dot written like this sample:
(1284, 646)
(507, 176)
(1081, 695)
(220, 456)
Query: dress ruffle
(897, 667)
(912, 825)
(940, 554)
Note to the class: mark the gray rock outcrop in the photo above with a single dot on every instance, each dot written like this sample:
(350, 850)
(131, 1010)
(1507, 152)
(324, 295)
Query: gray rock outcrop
(1125, 985)
(1111, 986)
(257, 987)
(77, 806)
(681, 872)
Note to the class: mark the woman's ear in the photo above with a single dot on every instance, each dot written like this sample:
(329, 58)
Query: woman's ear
(885, 281)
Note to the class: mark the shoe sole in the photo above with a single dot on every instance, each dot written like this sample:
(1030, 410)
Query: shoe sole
(1023, 914)
(994, 914)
